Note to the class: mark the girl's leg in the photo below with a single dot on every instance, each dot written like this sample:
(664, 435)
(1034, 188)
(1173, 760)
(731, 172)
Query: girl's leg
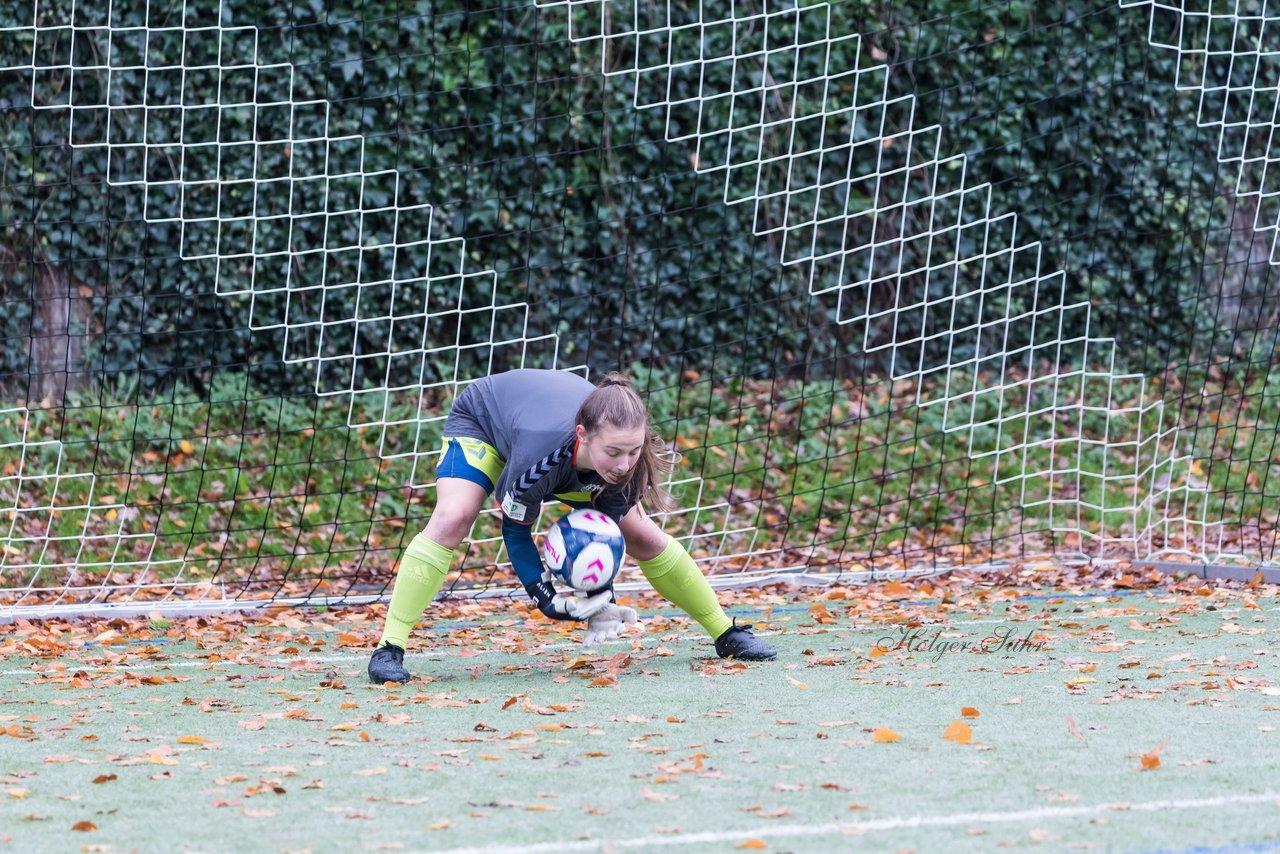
(425, 563)
(672, 572)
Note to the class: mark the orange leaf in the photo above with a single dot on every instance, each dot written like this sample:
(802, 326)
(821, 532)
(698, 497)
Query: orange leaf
(756, 844)
(895, 588)
(798, 683)
(970, 712)
(84, 825)
(192, 739)
(959, 732)
(104, 778)
(884, 735)
(1151, 759)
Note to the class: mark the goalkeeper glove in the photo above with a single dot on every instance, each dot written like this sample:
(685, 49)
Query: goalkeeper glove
(608, 623)
(559, 606)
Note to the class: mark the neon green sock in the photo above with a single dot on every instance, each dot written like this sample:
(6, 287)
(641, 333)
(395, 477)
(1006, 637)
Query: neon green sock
(677, 578)
(423, 568)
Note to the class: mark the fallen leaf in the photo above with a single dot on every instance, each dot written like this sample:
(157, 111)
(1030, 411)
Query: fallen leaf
(797, 683)
(1073, 730)
(970, 712)
(104, 778)
(84, 826)
(754, 844)
(1151, 759)
(884, 735)
(651, 795)
(192, 739)
(370, 772)
(959, 732)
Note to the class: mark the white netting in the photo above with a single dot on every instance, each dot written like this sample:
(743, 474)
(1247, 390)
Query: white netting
(1229, 55)
(746, 133)
(220, 143)
(223, 142)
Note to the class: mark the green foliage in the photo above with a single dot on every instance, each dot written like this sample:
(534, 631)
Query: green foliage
(573, 198)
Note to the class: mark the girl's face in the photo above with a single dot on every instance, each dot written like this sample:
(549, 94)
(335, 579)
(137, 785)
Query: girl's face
(610, 451)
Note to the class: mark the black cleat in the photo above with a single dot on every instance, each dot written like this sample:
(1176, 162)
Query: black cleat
(387, 665)
(738, 642)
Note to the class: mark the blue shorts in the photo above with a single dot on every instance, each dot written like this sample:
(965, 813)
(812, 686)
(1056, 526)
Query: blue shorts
(479, 462)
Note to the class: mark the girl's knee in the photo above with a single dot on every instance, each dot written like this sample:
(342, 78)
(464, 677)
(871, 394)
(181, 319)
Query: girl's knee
(449, 528)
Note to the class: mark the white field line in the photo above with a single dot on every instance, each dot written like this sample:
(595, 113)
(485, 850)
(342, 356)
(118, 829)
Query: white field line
(872, 825)
(887, 630)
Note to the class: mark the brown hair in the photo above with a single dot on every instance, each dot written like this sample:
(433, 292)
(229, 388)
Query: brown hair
(616, 403)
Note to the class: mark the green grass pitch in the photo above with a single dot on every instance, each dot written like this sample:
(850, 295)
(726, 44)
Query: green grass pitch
(1109, 721)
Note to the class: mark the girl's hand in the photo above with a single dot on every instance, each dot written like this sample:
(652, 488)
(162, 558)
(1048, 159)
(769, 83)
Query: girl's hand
(562, 606)
(608, 623)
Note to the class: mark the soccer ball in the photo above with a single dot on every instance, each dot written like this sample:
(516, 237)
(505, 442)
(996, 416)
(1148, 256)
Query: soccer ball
(584, 550)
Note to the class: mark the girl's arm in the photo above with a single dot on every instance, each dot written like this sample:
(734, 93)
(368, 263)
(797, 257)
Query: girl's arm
(537, 581)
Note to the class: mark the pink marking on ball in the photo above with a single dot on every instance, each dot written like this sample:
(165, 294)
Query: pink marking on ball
(593, 577)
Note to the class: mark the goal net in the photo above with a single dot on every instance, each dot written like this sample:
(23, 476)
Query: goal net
(908, 291)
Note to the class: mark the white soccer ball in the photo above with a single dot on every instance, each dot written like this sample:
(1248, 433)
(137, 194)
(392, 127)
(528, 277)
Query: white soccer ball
(584, 550)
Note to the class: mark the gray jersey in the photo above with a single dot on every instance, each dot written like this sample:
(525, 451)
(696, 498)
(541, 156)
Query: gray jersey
(528, 417)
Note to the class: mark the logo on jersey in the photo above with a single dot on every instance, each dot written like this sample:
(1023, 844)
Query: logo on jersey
(513, 508)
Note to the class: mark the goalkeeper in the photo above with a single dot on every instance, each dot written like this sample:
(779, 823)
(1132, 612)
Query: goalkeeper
(550, 435)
